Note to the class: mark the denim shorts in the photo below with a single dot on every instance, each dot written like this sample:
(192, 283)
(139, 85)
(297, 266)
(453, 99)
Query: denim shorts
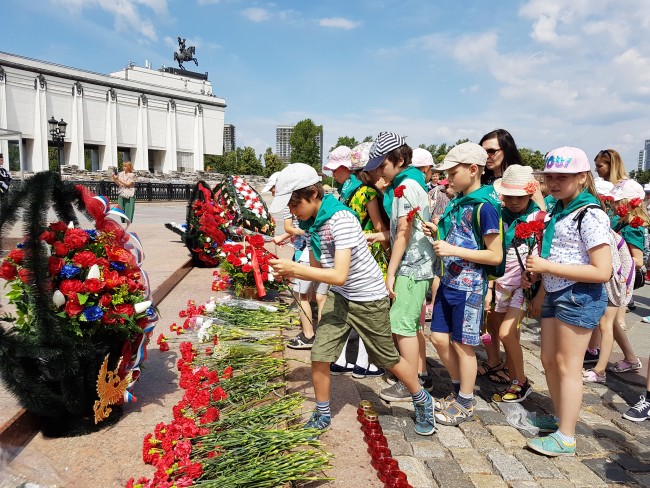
(459, 313)
(581, 304)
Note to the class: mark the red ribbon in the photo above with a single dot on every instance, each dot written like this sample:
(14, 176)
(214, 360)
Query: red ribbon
(257, 274)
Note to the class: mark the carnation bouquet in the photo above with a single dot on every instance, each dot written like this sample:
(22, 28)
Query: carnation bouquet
(246, 265)
(82, 304)
(246, 204)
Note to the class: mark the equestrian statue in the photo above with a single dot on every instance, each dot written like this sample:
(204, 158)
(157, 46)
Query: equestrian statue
(184, 54)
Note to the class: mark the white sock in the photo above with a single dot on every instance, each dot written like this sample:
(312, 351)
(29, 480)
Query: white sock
(565, 438)
(362, 357)
(342, 361)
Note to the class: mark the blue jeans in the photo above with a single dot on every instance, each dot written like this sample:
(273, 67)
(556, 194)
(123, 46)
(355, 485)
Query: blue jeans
(581, 304)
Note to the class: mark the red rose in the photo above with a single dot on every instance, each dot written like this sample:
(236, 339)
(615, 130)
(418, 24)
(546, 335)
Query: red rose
(70, 288)
(73, 308)
(58, 226)
(75, 238)
(399, 191)
(105, 300)
(8, 271)
(93, 285)
(84, 259)
(61, 249)
(16, 255)
(55, 264)
(48, 236)
(125, 308)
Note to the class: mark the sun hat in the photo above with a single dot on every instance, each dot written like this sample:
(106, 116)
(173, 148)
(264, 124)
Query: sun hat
(384, 143)
(339, 157)
(603, 187)
(422, 158)
(517, 181)
(360, 155)
(270, 182)
(293, 177)
(566, 159)
(444, 182)
(629, 190)
(465, 153)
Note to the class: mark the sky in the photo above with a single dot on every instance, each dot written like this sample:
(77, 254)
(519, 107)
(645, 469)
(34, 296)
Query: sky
(551, 72)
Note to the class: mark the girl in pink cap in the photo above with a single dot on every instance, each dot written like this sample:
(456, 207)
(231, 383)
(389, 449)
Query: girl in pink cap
(575, 263)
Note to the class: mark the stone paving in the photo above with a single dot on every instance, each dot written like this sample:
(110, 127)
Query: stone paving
(488, 452)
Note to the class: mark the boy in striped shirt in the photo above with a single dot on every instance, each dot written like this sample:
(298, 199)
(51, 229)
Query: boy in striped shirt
(339, 256)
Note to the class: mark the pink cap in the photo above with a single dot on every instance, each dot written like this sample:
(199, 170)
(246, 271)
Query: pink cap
(566, 159)
(341, 156)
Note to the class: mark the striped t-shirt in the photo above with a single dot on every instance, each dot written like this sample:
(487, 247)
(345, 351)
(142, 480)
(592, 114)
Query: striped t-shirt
(365, 281)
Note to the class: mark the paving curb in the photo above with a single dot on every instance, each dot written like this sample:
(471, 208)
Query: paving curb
(23, 426)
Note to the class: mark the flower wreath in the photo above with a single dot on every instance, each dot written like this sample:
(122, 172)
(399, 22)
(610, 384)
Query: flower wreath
(246, 204)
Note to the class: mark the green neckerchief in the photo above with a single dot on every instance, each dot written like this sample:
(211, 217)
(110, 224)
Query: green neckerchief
(349, 186)
(632, 236)
(559, 212)
(329, 206)
(512, 219)
(454, 209)
(410, 172)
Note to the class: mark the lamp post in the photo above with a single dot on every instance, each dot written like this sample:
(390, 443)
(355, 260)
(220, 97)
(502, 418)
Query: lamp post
(57, 131)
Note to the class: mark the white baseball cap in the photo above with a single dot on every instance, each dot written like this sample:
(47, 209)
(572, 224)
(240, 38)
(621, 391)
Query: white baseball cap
(293, 177)
(271, 182)
(341, 156)
(421, 158)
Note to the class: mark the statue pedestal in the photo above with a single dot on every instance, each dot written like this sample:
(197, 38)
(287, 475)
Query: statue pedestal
(189, 74)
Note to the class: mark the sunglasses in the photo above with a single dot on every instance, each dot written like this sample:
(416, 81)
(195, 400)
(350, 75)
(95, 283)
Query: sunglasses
(604, 152)
(492, 152)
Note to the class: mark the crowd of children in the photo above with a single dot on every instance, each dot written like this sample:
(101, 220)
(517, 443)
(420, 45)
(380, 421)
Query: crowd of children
(489, 243)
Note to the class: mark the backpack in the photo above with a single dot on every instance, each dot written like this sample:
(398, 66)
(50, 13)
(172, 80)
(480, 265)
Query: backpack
(493, 272)
(619, 286)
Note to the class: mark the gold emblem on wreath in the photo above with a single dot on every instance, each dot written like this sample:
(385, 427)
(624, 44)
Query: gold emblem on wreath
(110, 388)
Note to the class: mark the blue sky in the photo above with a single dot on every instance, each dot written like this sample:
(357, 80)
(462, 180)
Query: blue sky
(552, 72)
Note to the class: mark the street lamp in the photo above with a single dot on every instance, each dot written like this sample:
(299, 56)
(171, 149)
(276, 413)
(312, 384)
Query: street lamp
(57, 131)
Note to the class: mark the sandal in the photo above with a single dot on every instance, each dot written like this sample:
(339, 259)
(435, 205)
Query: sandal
(487, 369)
(501, 377)
(624, 366)
(454, 414)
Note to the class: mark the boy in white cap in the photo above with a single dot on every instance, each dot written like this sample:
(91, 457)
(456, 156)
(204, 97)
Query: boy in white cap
(458, 308)
(358, 299)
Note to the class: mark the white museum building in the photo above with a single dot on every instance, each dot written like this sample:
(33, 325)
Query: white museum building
(161, 121)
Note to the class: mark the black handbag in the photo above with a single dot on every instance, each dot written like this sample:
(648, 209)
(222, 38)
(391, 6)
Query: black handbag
(639, 278)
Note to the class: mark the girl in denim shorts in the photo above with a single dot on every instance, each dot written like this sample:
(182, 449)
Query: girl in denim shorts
(575, 263)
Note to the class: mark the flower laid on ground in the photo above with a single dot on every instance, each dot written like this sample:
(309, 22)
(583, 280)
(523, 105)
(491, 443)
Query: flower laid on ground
(162, 343)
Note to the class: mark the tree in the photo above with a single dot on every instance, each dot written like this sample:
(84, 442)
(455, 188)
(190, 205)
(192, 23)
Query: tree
(532, 158)
(368, 139)
(304, 144)
(642, 177)
(272, 163)
(345, 141)
(248, 163)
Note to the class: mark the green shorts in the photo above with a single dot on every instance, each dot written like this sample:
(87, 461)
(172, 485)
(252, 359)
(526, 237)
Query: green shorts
(369, 319)
(405, 313)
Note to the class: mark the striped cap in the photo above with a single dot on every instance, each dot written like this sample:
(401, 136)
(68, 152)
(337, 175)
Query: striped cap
(384, 143)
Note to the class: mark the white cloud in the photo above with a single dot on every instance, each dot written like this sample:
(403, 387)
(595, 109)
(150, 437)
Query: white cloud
(470, 89)
(339, 23)
(126, 12)
(208, 2)
(255, 14)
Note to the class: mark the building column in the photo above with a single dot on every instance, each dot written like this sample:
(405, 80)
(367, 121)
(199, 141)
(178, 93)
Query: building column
(4, 144)
(142, 139)
(76, 132)
(109, 157)
(171, 152)
(198, 139)
(40, 157)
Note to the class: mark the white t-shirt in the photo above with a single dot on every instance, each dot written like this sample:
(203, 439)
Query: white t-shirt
(570, 248)
(419, 255)
(365, 281)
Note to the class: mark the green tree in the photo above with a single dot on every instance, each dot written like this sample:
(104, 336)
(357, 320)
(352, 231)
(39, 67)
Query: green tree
(642, 177)
(248, 163)
(304, 145)
(532, 158)
(368, 139)
(272, 163)
(345, 141)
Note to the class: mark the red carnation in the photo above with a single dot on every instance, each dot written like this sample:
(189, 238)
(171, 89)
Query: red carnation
(84, 259)
(75, 238)
(412, 214)
(105, 300)
(48, 236)
(93, 285)
(637, 222)
(125, 308)
(55, 264)
(256, 240)
(523, 230)
(635, 202)
(399, 191)
(247, 268)
(73, 307)
(61, 249)
(25, 275)
(8, 271)
(16, 255)
(622, 211)
(70, 288)
(58, 226)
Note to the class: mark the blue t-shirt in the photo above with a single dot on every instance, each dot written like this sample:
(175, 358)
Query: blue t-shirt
(461, 274)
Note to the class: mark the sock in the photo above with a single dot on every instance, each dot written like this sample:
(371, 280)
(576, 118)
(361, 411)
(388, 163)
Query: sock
(324, 408)
(372, 367)
(342, 361)
(362, 356)
(456, 385)
(420, 396)
(465, 400)
(565, 438)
